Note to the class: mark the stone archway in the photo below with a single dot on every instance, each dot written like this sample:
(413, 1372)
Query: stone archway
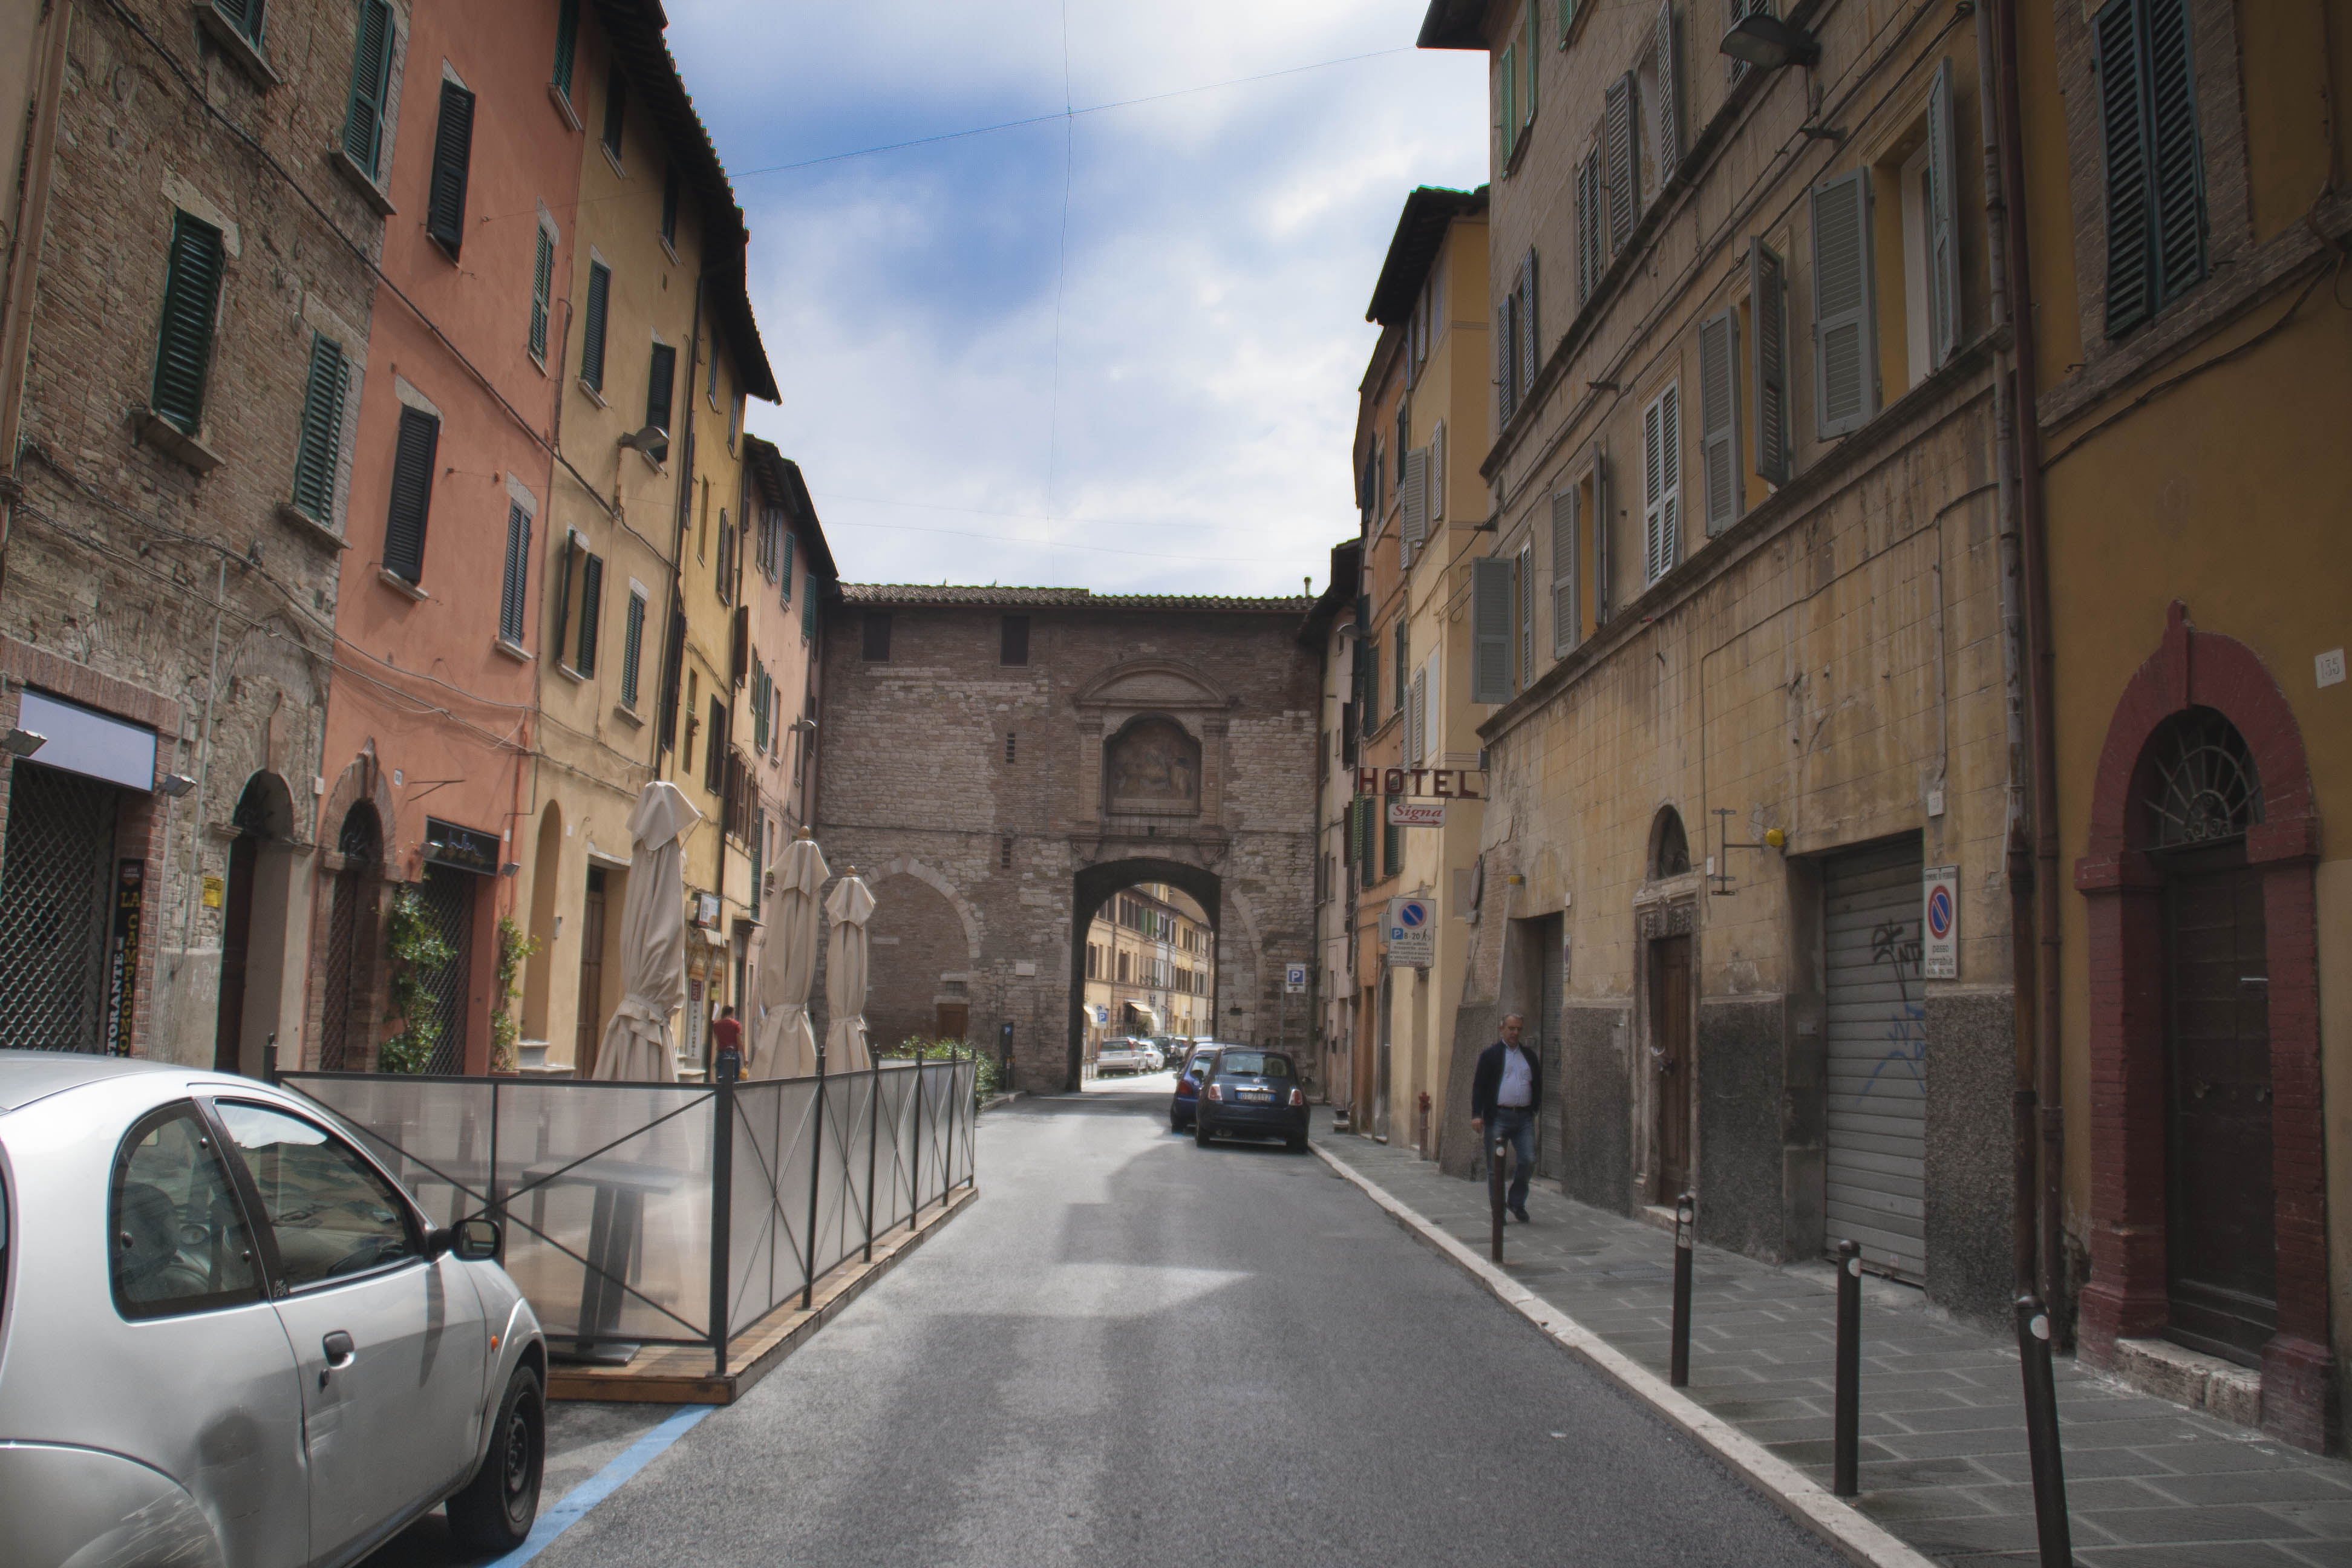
(1096, 884)
(918, 963)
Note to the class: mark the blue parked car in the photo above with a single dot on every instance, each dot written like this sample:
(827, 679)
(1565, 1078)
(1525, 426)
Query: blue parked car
(1251, 1093)
(1188, 1086)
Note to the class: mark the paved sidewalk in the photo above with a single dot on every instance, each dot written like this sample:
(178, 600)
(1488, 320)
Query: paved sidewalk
(2150, 1485)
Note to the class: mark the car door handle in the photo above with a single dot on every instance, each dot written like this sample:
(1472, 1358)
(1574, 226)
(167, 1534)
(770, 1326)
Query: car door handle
(340, 1353)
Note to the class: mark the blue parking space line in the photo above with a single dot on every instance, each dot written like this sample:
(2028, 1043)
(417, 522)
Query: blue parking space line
(601, 1485)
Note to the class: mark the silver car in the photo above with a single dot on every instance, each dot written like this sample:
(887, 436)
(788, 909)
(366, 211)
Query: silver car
(229, 1339)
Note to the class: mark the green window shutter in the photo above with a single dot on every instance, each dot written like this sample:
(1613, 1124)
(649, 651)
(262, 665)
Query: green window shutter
(1567, 618)
(2123, 126)
(591, 328)
(183, 345)
(1719, 420)
(1508, 75)
(661, 386)
(1845, 329)
(2155, 168)
(616, 100)
(1490, 629)
(513, 594)
(563, 558)
(633, 648)
(1532, 58)
(1943, 223)
(1392, 849)
(808, 611)
(371, 77)
(317, 453)
(2178, 164)
(787, 573)
(412, 495)
(1567, 20)
(567, 45)
(542, 283)
(245, 16)
(453, 156)
(591, 610)
(1768, 315)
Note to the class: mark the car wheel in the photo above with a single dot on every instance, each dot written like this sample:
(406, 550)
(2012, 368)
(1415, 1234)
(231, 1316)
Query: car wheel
(1200, 1131)
(495, 1510)
(1295, 1143)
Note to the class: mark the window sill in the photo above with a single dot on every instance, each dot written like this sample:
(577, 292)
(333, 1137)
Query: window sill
(656, 464)
(236, 45)
(612, 157)
(303, 522)
(556, 96)
(569, 673)
(628, 716)
(400, 584)
(594, 396)
(514, 650)
(669, 250)
(360, 180)
(175, 442)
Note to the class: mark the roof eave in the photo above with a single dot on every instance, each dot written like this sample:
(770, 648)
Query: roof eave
(1453, 25)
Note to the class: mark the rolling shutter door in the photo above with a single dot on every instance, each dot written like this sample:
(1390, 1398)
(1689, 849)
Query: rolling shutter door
(1877, 1057)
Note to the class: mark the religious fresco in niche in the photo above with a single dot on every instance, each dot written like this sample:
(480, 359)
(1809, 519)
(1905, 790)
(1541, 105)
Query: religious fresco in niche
(1152, 765)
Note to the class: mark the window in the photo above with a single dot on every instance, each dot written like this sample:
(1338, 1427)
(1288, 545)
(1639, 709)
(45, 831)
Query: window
(714, 748)
(1004, 861)
(1621, 159)
(1012, 747)
(1846, 325)
(1662, 484)
(661, 383)
(1926, 200)
(726, 558)
(316, 456)
(1516, 86)
(183, 345)
(1368, 670)
(1013, 641)
(1723, 476)
(759, 704)
(1492, 592)
(332, 1214)
(518, 574)
(542, 284)
(453, 154)
(1416, 724)
(1517, 339)
(1590, 257)
(363, 116)
(808, 614)
(245, 16)
(735, 420)
(1567, 611)
(1415, 533)
(176, 1233)
(564, 558)
(1403, 690)
(632, 644)
(567, 46)
(1733, 12)
(1437, 473)
(1670, 852)
(671, 187)
(2155, 167)
(1659, 102)
(783, 560)
(592, 326)
(877, 637)
(412, 495)
(616, 103)
(1391, 849)
(1767, 312)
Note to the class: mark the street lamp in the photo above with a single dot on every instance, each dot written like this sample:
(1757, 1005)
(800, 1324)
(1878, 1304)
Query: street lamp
(24, 742)
(1767, 43)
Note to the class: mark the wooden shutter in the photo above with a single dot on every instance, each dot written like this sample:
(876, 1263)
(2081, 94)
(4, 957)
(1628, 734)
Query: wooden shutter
(370, 75)
(567, 45)
(1530, 334)
(1621, 159)
(1661, 485)
(1416, 500)
(1718, 417)
(1490, 629)
(2155, 168)
(542, 282)
(1588, 225)
(592, 330)
(518, 574)
(661, 383)
(1567, 20)
(591, 613)
(633, 648)
(785, 570)
(1603, 530)
(1508, 69)
(1768, 318)
(808, 610)
(453, 156)
(317, 455)
(739, 646)
(1523, 579)
(412, 495)
(2177, 166)
(1566, 619)
(563, 559)
(184, 344)
(1662, 66)
(1943, 224)
(1414, 695)
(1437, 473)
(1845, 336)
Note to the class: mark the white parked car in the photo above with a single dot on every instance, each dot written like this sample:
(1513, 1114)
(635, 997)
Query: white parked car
(1119, 1056)
(229, 1339)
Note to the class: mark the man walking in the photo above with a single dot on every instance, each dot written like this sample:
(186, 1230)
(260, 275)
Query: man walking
(1504, 1092)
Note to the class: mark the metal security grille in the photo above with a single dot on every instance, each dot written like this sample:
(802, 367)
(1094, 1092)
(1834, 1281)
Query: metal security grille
(338, 1051)
(450, 899)
(53, 904)
(1877, 1058)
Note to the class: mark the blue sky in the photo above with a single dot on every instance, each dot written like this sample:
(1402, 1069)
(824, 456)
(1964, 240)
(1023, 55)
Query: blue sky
(1220, 245)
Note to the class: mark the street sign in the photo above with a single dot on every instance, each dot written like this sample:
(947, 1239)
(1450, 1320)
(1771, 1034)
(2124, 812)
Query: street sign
(1940, 890)
(1406, 812)
(1102, 1014)
(1294, 979)
(1412, 933)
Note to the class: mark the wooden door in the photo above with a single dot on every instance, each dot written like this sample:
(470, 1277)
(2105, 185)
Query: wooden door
(954, 1020)
(589, 1030)
(1671, 1064)
(2221, 1245)
(228, 1017)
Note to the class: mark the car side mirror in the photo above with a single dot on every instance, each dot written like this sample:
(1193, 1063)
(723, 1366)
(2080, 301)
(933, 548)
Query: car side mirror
(473, 1240)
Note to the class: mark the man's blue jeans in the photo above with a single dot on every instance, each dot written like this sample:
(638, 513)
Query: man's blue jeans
(1518, 1124)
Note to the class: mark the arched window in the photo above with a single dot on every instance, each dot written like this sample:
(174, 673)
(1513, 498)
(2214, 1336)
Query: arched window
(2201, 786)
(1669, 846)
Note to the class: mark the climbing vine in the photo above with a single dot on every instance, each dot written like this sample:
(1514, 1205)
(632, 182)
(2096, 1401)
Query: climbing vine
(415, 946)
(514, 950)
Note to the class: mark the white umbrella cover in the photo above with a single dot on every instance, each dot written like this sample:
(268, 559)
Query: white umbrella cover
(783, 1044)
(846, 963)
(636, 1046)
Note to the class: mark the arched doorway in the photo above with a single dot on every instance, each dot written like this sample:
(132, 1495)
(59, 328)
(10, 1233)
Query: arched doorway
(346, 1042)
(1096, 885)
(253, 927)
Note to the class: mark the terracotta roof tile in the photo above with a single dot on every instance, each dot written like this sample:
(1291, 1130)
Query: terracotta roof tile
(1043, 598)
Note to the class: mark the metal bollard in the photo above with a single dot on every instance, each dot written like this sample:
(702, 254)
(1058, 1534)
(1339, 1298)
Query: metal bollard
(1678, 1355)
(2050, 1527)
(1846, 1461)
(1495, 1193)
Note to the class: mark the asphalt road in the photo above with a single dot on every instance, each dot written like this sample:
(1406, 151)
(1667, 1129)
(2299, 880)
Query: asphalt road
(1130, 1351)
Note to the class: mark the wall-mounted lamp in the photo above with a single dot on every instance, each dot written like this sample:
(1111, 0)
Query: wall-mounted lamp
(646, 439)
(1767, 43)
(24, 742)
(510, 868)
(1823, 134)
(175, 784)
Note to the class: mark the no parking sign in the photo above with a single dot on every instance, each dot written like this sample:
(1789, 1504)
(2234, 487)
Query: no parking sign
(1941, 888)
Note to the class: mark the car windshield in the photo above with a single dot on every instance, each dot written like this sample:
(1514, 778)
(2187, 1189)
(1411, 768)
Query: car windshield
(1254, 1064)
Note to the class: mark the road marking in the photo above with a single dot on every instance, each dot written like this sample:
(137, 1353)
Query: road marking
(1859, 1537)
(603, 1484)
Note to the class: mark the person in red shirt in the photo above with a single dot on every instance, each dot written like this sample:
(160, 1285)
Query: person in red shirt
(726, 1035)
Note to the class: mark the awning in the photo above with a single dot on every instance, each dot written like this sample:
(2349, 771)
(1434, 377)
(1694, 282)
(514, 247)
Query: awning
(1138, 1014)
(84, 741)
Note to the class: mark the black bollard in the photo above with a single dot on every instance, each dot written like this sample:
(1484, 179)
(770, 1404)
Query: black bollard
(1845, 1464)
(1678, 1357)
(1495, 1193)
(2050, 1527)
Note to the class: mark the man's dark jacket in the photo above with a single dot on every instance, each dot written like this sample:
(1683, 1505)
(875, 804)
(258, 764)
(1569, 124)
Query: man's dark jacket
(1488, 1082)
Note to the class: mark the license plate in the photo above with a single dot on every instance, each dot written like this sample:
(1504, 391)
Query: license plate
(1262, 1096)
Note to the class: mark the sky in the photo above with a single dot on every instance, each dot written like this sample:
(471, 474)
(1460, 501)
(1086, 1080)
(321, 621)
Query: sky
(1116, 348)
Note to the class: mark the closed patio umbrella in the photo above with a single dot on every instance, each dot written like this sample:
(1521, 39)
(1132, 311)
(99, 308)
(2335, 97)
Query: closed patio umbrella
(783, 1044)
(637, 1046)
(846, 956)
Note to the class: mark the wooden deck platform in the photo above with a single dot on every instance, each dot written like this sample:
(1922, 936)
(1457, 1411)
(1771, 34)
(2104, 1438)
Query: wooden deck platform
(676, 1374)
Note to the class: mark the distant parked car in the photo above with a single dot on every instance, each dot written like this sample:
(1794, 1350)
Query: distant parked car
(231, 1338)
(1118, 1055)
(1154, 1058)
(1251, 1093)
(1182, 1103)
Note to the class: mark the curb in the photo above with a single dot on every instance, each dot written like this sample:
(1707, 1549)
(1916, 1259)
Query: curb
(1811, 1504)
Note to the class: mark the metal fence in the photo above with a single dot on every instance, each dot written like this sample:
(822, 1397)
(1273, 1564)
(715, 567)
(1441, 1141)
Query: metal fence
(653, 1213)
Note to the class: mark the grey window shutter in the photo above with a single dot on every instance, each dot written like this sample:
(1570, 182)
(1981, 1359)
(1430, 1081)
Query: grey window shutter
(184, 344)
(1416, 499)
(1718, 416)
(591, 613)
(453, 156)
(661, 384)
(563, 575)
(1507, 381)
(633, 649)
(1662, 64)
(1523, 577)
(1603, 526)
(412, 495)
(1565, 618)
(518, 574)
(2123, 127)
(1588, 225)
(592, 330)
(1530, 330)
(317, 454)
(1661, 486)
(1845, 335)
(1413, 710)
(1943, 223)
(1437, 473)
(1622, 158)
(370, 73)
(2178, 162)
(1490, 629)
(542, 283)
(1768, 313)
